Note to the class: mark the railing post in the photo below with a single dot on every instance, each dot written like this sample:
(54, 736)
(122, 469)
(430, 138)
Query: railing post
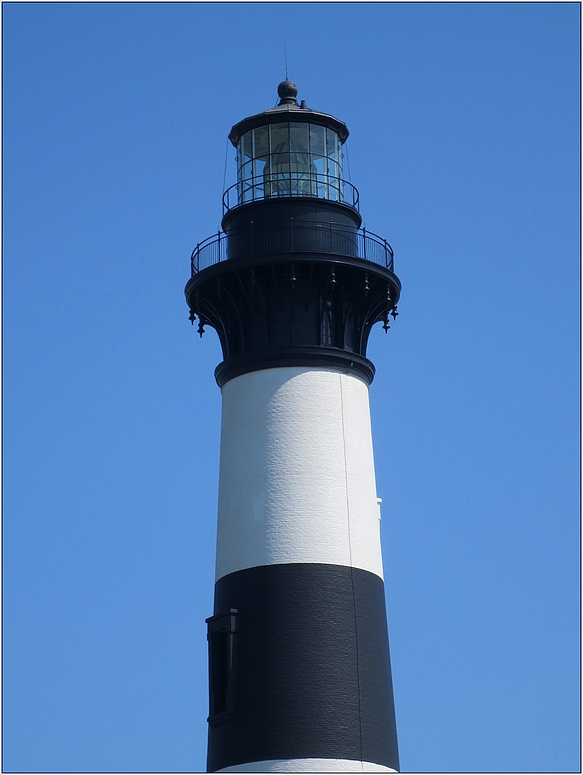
(364, 240)
(219, 247)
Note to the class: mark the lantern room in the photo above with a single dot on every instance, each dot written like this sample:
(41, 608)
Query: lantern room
(289, 151)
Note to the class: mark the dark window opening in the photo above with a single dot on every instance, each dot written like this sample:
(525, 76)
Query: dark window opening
(326, 333)
(222, 638)
(219, 659)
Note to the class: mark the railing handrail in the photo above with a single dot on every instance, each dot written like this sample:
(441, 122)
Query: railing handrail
(343, 187)
(206, 249)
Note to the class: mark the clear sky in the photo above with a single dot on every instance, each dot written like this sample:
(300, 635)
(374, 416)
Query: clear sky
(464, 144)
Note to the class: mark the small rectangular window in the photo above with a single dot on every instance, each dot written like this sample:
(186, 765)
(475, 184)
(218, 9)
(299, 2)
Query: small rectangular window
(222, 637)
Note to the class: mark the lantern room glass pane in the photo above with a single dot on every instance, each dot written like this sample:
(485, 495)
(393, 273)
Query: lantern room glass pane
(260, 159)
(260, 142)
(247, 171)
(258, 174)
(279, 138)
(331, 144)
(299, 138)
(317, 140)
(246, 148)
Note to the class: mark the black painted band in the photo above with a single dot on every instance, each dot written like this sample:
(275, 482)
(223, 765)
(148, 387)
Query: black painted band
(309, 356)
(307, 673)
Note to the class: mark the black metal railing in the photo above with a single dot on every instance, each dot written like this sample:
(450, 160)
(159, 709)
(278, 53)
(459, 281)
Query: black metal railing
(291, 185)
(292, 237)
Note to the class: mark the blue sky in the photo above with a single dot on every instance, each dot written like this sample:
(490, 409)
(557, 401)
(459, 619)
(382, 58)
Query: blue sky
(464, 145)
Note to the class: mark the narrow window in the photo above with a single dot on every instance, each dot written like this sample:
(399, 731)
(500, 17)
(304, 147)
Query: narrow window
(326, 336)
(222, 638)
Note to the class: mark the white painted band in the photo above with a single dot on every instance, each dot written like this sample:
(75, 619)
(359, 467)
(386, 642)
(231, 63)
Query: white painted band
(297, 481)
(308, 765)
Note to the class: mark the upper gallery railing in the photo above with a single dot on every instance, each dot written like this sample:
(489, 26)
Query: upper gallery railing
(292, 237)
(291, 184)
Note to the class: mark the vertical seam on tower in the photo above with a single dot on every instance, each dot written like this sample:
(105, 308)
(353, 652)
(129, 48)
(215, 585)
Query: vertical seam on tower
(351, 568)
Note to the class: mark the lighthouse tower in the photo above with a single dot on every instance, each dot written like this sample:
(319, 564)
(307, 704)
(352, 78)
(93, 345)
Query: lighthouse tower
(299, 669)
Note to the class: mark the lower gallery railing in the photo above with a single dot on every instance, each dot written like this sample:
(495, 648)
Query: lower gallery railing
(292, 237)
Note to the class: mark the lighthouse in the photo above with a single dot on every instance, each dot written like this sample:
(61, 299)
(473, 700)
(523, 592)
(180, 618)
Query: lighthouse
(299, 667)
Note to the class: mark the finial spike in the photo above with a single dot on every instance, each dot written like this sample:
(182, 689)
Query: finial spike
(285, 57)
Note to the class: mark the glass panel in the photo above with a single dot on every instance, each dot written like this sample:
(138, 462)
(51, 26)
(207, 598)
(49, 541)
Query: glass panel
(298, 137)
(258, 173)
(277, 171)
(246, 149)
(304, 175)
(277, 175)
(247, 192)
(300, 162)
(279, 136)
(317, 140)
(319, 165)
(279, 163)
(304, 183)
(331, 144)
(333, 180)
(337, 155)
(319, 162)
(261, 141)
(246, 171)
(244, 168)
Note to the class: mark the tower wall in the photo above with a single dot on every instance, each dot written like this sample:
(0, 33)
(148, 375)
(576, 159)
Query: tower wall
(307, 682)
